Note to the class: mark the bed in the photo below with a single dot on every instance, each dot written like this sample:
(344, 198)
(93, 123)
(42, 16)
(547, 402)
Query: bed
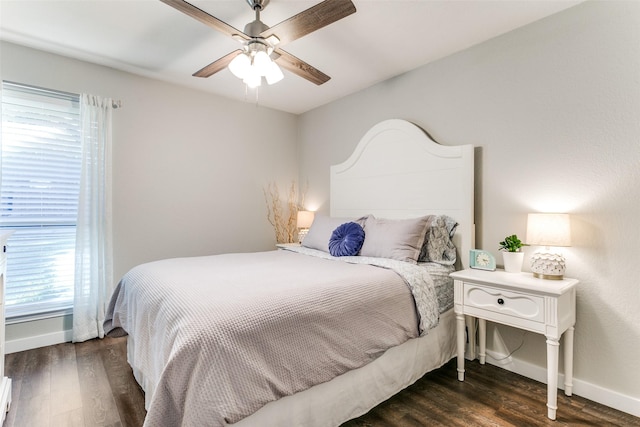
(298, 337)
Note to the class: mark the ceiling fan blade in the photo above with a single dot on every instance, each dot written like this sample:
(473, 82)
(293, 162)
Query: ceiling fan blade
(217, 65)
(310, 20)
(205, 18)
(300, 68)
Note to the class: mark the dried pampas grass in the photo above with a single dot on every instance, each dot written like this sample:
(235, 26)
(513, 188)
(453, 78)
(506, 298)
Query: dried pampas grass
(283, 216)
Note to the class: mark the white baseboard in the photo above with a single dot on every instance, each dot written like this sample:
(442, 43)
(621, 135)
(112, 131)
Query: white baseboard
(29, 343)
(604, 396)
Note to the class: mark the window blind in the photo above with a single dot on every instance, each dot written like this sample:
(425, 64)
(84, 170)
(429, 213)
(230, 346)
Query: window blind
(39, 187)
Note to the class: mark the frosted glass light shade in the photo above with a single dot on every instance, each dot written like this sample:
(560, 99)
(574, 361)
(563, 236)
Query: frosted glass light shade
(261, 62)
(545, 229)
(274, 73)
(240, 65)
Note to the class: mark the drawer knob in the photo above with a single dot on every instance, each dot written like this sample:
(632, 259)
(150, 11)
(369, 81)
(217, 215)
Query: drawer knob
(500, 301)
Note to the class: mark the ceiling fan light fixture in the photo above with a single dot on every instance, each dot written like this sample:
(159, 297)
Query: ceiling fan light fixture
(258, 36)
(254, 63)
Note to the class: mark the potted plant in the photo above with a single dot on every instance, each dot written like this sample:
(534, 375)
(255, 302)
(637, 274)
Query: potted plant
(511, 253)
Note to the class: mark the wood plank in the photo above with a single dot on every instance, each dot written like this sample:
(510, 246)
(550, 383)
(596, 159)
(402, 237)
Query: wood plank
(66, 396)
(33, 411)
(14, 364)
(100, 408)
(36, 379)
(73, 418)
(128, 395)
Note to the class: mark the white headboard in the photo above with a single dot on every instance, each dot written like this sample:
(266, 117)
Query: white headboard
(397, 171)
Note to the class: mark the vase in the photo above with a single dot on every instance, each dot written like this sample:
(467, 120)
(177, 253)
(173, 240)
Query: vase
(513, 261)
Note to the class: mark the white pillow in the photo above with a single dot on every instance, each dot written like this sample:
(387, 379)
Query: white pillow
(399, 239)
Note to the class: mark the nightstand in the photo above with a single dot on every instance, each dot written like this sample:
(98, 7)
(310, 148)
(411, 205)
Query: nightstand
(287, 245)
(547, 307)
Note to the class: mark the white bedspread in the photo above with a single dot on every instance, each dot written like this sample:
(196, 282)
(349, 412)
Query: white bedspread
(218, 337)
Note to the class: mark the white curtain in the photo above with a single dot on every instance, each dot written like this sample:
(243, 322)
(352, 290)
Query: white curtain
(93, 271)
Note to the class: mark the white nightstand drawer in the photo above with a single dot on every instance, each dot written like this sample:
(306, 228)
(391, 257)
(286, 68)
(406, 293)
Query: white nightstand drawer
(523, 306)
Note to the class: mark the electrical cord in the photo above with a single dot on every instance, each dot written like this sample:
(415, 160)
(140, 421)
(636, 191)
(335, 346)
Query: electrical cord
(513, 351)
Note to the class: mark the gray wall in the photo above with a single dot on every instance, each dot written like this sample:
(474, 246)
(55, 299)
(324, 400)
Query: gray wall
(554, 110)
(188, 167)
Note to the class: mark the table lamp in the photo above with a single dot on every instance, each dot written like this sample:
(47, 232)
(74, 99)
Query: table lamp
(548, 230)
(304, 221)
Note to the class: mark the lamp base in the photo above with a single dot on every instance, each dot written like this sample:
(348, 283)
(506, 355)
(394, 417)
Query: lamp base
(548, 276)
(548, 265)
(302, 233)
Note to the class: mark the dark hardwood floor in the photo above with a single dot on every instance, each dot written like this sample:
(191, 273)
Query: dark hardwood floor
(91, 384)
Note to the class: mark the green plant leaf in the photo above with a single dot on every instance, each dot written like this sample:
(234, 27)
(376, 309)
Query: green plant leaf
(511, 244)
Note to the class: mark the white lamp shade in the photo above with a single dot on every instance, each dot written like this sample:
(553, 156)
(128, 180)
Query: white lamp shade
(261, 62)
(548, 229)
(274, 73)
(305, 219)
(240, 65)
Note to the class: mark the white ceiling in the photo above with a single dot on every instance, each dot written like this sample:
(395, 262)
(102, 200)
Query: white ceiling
(381, 40)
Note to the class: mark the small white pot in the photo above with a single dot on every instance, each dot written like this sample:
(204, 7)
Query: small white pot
(513, 261)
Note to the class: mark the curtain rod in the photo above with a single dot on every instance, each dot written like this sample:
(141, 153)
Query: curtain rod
(115, 103)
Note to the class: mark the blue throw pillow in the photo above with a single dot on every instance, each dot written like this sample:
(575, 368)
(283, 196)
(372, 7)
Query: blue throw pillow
(346, 240)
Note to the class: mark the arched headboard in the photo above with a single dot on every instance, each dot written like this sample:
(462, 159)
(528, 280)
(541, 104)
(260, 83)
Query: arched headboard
(397, 171)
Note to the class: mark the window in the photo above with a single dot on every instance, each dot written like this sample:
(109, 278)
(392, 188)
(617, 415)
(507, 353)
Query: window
(41, 161)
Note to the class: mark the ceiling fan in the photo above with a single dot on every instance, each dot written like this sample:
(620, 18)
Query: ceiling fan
(262, 45)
